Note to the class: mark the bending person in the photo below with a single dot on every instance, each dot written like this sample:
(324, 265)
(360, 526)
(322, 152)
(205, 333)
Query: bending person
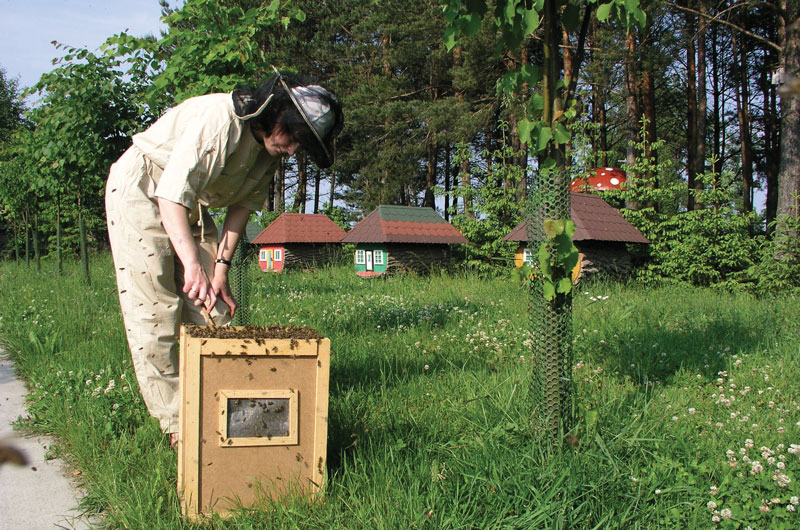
(218, 150)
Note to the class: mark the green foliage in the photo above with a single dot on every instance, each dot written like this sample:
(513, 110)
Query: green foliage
(495, 200)
(703, 247)
(11, 106)
(339, 216)
(557, 257)
(210, 47)
(776, 267)
(710, 246)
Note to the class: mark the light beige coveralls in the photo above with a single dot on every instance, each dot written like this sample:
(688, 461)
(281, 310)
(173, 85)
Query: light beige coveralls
(200, 153)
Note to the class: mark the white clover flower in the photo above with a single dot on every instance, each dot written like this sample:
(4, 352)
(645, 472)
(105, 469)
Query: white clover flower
(790, 508)
(795, 500)
(658, 492)
(726, 513)
(692, 410)
(715, 518)
(714, 490)
(781, 480)
(711, 505)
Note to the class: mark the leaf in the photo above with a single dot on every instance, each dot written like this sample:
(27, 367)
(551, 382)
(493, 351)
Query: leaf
(530, 21)
(524, 128)
(449, 37)
(604, 11)
(553, 227)
(470, 24)
(569, 228)
(564, 285)
(544, 260)
(548, 163)
(562, 134)
(510, 11)
(571, 17)
(531, 74)
(477, 7)
(545, 135)
(548, 290)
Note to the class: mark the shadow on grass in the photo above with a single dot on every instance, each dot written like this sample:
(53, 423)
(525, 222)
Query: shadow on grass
(661, 348)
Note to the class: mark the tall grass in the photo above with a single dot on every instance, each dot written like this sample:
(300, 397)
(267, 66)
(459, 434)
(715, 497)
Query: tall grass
(685, 397)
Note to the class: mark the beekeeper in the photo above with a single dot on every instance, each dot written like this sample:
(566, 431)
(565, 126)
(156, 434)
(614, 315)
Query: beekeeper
(218, 150)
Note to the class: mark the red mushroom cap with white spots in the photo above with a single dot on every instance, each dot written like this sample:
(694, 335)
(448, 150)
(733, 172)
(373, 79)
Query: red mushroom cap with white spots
(602, 178)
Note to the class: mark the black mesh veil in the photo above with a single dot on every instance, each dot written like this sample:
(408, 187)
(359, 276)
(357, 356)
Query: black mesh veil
(284, 109)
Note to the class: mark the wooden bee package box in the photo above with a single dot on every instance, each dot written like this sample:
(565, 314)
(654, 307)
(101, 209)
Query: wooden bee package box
(253, 415)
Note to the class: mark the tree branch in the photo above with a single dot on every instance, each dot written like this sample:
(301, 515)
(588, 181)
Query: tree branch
(729, 24)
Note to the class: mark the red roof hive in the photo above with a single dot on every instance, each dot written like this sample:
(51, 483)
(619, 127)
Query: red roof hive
(404, 224)
(300, 228)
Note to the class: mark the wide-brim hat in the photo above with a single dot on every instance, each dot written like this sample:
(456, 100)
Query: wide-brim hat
(322, 112)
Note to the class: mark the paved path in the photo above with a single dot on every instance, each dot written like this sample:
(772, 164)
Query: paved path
(38, 495)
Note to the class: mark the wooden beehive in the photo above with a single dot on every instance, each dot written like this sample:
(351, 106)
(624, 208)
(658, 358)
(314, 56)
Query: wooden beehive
(253, 415)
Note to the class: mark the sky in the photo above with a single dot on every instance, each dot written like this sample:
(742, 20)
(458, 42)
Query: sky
(28, 27)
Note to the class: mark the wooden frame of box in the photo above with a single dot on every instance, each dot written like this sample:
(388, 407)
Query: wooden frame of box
(253, 419)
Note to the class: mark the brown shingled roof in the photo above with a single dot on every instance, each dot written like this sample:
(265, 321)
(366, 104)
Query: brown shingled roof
(300, 228)
(404, 224)
(595, 219)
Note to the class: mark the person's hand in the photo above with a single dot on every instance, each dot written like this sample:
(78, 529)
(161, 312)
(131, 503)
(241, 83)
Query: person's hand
(222, 289)
(198, 288)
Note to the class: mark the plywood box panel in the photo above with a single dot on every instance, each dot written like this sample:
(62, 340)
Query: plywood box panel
(253, 419)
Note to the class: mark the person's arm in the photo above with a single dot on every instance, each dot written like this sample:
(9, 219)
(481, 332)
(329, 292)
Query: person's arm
(196, 284)
(235, 222)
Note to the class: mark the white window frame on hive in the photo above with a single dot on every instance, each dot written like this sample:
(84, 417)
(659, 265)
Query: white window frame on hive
(246, 441)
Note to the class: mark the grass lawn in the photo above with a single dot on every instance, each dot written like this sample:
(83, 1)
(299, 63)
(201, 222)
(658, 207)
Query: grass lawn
(686, 399)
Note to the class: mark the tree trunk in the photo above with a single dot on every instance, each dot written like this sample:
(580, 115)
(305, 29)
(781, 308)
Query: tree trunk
(280, 187)
(59, 257)
(84, 250)
(317, 179)
(631, 107)
(772, 150)
(36, 254)
(601, 157)
(716, 95)
(16, 243)
(27, 240)
(789, 175)
(447, 170)
(702, 96)
(432, 151)
(647, 93)
(691, 113)
(743, 116)
(333, 190)
(299, 205)
(552, 327)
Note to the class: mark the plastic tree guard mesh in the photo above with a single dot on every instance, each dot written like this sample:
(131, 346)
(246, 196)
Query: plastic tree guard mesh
(240, 284)
(551, 322)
